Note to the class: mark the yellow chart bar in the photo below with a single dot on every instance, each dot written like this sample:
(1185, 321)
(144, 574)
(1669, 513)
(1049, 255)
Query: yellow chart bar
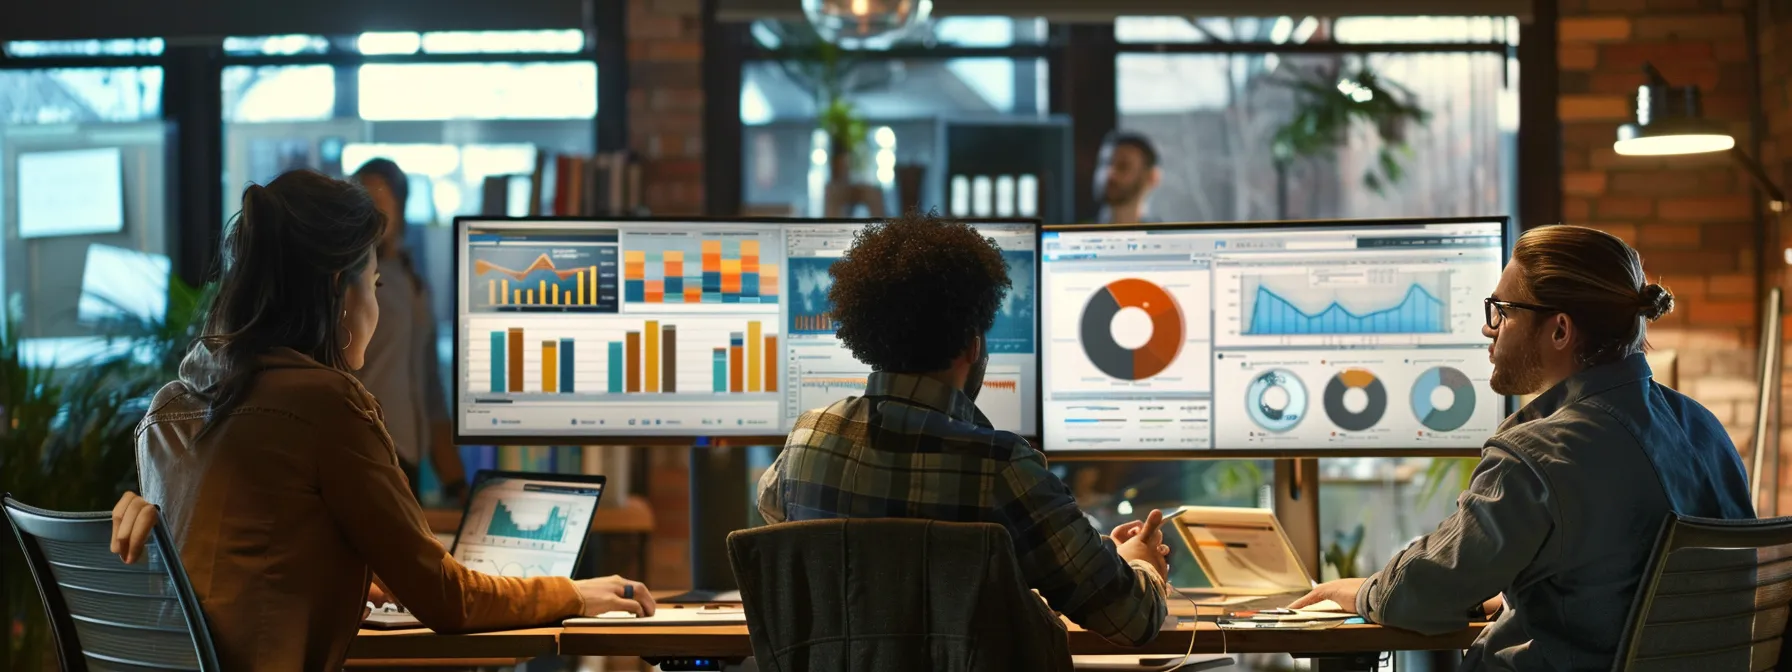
(517, 298)
(531, 296)
(581, 288)
(554, 297)
(504, 290)
(754, 343)
(592, 273)
(550, 366)
(491, 292)
(543, 294)
(652, 363)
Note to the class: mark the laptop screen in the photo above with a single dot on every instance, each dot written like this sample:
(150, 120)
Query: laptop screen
(522, 526)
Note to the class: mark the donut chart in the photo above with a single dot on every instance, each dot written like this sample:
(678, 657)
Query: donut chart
(1359, 379)
(1097, 331)
(1280, 412)
(1461, 408)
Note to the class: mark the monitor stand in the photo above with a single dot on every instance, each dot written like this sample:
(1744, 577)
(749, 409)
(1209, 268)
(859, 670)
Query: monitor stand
(1297, 508)
(719, 501)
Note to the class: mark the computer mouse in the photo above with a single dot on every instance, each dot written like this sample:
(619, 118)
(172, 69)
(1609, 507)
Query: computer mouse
(617, 614)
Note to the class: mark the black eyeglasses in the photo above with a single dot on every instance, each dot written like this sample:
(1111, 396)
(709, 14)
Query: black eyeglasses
(1496, 310)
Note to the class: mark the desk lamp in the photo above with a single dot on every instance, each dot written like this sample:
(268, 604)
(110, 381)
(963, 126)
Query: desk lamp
(1670, 121)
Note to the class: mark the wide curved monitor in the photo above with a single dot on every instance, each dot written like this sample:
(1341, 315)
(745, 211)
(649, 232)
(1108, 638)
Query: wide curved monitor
(663, 330)
(1268, 339)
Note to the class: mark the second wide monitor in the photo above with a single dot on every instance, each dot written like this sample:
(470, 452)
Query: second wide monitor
(1349, 337)
(582, 330)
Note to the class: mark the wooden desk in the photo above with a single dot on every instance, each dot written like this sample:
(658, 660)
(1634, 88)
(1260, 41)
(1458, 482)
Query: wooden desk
(423, 647)
(730, 641)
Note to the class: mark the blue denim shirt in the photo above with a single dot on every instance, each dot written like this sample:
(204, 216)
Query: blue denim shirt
(1561, 518)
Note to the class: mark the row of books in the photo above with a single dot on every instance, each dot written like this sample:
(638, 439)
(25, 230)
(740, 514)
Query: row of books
(607, 184)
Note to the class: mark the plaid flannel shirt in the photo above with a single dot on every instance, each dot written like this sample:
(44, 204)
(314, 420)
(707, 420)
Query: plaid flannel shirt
(914, 447)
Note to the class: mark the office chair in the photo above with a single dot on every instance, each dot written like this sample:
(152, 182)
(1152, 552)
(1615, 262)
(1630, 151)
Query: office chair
(891, 594)
(1713, 597)
(107, 615)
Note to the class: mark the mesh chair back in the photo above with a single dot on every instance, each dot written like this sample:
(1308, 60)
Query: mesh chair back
(107, 615)
(1714, 597)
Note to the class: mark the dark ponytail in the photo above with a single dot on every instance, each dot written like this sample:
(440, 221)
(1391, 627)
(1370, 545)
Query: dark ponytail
(290, 257)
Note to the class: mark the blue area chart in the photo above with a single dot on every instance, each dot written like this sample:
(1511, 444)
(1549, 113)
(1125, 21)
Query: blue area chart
(811, 312)
(1276, 400)
(1418, 312)
(1013, 333)
(504, 525)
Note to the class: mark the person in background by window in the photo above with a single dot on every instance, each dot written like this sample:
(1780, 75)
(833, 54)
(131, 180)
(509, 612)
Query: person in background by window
(1125, 176)
(403, 370)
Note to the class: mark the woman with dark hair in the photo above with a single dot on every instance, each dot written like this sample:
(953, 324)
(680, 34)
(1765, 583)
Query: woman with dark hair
(402, 369)
(272, 467)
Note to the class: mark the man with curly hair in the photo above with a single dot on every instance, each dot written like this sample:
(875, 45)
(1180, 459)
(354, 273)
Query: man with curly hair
(914, 297)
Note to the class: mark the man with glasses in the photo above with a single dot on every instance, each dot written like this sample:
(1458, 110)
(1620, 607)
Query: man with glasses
(1563, 510)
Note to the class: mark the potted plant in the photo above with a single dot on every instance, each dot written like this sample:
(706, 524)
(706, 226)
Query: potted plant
(1328, 103)
(66, 437)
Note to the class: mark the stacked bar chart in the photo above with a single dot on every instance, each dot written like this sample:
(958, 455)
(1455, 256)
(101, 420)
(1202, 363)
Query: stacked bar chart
(696, 270)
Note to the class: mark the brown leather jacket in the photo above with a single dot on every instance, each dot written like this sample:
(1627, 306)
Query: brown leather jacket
(288, 506)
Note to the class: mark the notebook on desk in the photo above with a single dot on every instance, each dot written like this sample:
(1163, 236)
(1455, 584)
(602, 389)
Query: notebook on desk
(1244, 553)
(516, 524)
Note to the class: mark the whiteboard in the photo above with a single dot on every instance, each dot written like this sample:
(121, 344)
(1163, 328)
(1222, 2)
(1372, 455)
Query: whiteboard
(71, 192)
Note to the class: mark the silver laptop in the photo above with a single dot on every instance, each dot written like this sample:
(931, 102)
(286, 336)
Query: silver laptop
(1244, 552)
(516, 524)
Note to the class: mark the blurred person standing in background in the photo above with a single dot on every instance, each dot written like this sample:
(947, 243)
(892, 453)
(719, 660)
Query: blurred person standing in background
(403, 369)
(1125, 176)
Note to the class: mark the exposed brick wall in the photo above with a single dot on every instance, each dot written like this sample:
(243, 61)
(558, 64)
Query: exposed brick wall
(1691, 217)
(665, 119)
(665, 101)
(1775, 23)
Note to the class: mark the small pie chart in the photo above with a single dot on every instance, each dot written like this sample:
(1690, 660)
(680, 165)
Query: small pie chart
(1276, 400)
(1462, 399)
(1119, 361)
(1375, 397)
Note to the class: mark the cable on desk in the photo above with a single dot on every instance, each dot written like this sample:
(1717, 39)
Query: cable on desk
(1172, 590)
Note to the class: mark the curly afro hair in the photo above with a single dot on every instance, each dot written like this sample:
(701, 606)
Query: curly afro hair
(914, 292)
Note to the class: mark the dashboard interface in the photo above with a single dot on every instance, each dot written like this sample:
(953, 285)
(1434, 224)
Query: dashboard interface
(673, 329)
(1284, 337)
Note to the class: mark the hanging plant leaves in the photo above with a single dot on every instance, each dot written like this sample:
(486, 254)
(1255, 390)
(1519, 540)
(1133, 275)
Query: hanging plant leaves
(1327, 104)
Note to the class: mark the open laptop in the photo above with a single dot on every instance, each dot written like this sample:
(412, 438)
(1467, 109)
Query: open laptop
(517, 524)
(1244, 553)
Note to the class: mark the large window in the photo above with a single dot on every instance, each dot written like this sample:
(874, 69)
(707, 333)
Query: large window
(83, 170)
(905, 97)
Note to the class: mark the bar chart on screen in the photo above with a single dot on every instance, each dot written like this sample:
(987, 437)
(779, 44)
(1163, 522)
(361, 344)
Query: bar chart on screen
(606, 357)
(544, 277)
(665, 270)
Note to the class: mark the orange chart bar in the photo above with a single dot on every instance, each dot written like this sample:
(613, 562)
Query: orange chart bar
(514, 368)
(771, 363)
(753, 343)
(632, 348)
(652, 361)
